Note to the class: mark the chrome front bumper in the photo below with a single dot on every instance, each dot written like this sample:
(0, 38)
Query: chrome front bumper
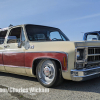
(85, 74)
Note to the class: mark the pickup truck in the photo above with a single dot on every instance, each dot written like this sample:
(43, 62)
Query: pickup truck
(91, 36)
(46, 53)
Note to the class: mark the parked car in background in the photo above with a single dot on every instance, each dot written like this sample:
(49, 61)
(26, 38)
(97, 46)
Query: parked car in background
(47, 53)
(92, 36)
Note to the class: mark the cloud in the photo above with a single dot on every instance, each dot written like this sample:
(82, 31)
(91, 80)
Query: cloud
(74, 19)
(89, 16)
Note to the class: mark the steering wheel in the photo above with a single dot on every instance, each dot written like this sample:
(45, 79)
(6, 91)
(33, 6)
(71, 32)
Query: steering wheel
(54, 39)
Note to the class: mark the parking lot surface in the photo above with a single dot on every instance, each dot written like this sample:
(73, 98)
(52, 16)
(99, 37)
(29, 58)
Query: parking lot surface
(68, 90)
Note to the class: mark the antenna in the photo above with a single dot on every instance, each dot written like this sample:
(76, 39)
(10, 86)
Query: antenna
(83, 35)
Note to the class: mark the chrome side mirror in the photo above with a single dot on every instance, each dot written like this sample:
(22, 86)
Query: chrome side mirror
(25, 44)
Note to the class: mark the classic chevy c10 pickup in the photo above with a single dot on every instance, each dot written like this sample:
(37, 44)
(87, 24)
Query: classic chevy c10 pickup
(46, 53)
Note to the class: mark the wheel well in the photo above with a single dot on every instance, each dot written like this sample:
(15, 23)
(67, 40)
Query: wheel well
(35, 63)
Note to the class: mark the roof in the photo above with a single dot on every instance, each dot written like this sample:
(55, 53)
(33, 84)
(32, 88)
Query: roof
(3, 29)
(41, 26)
(92, 32)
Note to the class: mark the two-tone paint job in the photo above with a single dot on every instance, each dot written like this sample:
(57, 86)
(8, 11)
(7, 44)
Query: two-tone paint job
(21, 60)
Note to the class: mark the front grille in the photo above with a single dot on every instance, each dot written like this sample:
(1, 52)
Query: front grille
(91, 58)
(90, 50)
(94, 50)
(94, 58)
(93, 54)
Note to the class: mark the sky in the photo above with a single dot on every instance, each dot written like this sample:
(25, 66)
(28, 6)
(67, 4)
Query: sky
(73, 17)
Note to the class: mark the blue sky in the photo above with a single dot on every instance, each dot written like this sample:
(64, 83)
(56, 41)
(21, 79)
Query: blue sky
(73, 17)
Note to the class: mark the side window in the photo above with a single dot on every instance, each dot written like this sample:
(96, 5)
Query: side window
(16, 35)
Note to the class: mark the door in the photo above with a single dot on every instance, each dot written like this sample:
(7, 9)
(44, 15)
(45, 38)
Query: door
(13, 56)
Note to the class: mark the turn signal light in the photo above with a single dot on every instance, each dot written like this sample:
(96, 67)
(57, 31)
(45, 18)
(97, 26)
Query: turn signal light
(64, 63)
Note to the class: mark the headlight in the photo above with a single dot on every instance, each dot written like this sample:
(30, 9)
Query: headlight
(80, 54)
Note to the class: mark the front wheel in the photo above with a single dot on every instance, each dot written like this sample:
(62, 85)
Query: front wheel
(48, 73)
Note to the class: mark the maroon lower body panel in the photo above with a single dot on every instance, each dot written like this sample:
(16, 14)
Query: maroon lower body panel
(14, 59)
(26, 59)
(1, 58)
(30, 57)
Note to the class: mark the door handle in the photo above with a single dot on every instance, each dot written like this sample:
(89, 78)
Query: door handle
(7, 46)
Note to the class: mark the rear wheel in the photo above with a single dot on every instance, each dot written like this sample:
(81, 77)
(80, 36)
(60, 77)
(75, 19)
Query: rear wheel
(48, 73)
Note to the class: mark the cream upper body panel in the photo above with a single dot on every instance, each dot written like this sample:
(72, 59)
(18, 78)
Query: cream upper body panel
(63, 46)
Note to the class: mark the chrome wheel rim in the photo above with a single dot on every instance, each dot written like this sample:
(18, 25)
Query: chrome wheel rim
(46, 72)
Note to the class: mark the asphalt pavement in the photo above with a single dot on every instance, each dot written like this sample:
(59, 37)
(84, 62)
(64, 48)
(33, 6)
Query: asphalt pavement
(68, 90)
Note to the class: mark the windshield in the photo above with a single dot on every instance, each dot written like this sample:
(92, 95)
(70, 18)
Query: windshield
(43, 33)
(92, 36)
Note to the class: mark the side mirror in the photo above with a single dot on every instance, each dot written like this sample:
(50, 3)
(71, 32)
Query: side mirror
(12, 39)
(25, 44)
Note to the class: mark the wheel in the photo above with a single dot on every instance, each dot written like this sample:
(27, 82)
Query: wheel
(48, 73)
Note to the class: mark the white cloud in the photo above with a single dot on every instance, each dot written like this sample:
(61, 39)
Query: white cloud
(88, 16)
(74, 19)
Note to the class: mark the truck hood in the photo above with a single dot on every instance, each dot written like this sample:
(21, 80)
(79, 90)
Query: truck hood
(61, 45)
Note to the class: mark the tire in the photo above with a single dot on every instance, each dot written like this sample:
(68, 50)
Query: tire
(48, 73)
